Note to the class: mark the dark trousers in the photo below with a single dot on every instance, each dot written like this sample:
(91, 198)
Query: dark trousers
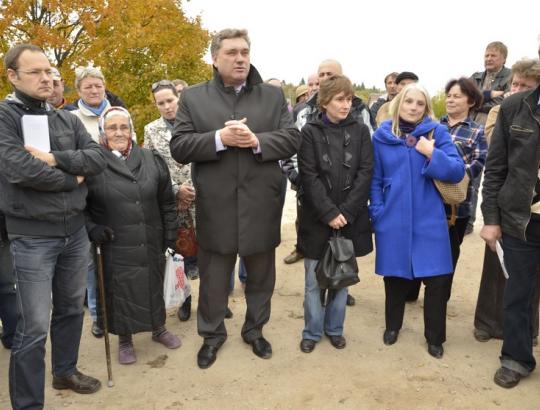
(522, 259)
(456, 233)
(215, 273)
(46, 266)
(8, 305)
(488, 315)
(435, 300)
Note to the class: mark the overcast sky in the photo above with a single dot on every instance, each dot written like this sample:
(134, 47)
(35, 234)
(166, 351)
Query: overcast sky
(372, 38)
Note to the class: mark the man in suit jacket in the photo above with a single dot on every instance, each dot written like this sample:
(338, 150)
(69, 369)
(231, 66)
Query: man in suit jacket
(235, 129)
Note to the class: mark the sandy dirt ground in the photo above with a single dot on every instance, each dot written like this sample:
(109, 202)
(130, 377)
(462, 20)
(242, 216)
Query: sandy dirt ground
(365, 375)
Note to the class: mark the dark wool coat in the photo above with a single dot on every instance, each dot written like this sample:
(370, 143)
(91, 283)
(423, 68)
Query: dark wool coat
(239, 193)
(135, 198)
(335, 163)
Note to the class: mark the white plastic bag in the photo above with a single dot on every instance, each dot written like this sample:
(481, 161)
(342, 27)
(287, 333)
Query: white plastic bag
(176, 287)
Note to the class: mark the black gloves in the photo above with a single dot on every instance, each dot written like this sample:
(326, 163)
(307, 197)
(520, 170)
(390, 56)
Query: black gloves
(101, 234)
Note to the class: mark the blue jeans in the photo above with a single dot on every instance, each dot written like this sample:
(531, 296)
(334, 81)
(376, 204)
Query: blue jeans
(317, 317)
(242, 273)
(8, 306)
(45, 266)
(522, 259)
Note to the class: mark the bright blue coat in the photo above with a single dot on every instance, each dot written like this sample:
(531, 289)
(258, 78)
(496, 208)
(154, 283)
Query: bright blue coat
(407, 212)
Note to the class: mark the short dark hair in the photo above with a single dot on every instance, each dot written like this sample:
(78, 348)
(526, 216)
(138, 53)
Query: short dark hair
(331, 87)
(406, 75)
(11, 59)
(469, 88)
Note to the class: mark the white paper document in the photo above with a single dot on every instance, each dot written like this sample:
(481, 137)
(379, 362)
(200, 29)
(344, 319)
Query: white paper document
(35, 130)
(500, 254)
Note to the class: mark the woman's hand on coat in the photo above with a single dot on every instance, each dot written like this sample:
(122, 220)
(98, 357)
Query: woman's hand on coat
(338, 222)
(491, 234)
(425, 147)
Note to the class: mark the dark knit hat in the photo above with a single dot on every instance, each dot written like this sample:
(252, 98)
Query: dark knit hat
(406, 75)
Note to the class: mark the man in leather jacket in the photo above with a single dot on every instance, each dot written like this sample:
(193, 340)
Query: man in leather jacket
(511, 209)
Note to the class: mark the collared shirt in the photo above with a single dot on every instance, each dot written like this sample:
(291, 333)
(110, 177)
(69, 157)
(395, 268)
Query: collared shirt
(469, 138)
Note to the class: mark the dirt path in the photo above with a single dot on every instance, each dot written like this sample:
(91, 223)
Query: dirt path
(366, 374)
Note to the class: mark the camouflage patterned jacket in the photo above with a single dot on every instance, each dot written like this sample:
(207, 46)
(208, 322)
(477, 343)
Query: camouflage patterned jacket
(157, 136)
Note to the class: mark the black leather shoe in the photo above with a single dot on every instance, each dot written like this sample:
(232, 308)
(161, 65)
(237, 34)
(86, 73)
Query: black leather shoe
(184, 311)
(307, 345)
(77, 382)
(96, 330)
(229, 313)
(207, 356)
(261, 347)
(436, 351)
(506, 378)
(351, 301)
(390, 337)
(338, 342)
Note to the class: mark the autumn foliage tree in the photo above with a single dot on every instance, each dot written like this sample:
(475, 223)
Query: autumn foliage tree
(134, 42)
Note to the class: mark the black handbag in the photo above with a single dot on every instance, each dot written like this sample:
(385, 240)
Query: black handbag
(337, 267)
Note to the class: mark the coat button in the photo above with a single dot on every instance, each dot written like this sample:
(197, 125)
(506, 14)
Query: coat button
(137, 202)
(134, 181)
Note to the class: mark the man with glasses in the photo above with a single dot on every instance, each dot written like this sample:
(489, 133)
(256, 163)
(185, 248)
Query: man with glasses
(43, 198)
(235, 129)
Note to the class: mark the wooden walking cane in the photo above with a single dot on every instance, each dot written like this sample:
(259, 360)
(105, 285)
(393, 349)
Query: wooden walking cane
(101, 285)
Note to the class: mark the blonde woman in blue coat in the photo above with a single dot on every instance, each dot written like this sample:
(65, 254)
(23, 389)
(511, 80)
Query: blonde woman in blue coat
(411, 233)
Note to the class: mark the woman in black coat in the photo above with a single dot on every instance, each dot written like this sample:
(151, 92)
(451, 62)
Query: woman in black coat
(335, 163)
(131, 212)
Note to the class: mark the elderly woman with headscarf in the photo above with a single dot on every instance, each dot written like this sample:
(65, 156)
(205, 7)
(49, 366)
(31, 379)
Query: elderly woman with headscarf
(131, 212)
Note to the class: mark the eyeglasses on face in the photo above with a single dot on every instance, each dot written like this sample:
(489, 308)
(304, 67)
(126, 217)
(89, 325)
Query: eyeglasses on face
(37, 73)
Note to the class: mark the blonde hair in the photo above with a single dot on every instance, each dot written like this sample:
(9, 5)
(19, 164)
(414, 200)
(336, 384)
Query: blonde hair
(397, 102)
(82, 72)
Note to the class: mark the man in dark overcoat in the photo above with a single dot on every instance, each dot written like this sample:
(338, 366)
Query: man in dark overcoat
(235, 130)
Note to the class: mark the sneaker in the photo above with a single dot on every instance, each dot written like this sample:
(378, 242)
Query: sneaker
(126, 353)
(293, 257)
(167, 339)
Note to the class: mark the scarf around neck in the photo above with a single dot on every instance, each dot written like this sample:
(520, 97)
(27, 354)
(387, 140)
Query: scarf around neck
(96, 110)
